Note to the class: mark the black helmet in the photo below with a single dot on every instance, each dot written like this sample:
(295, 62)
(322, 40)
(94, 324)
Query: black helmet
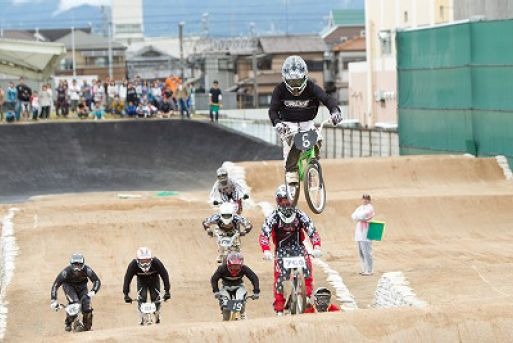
(77, 262)
(322, 298)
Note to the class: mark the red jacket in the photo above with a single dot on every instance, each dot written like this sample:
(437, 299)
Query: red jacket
(331, 308)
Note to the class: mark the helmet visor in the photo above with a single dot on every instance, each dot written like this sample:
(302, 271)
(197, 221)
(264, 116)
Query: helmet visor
(77, 266)
(283, 202)
(295, 83)
(144, 263)
(234, 268)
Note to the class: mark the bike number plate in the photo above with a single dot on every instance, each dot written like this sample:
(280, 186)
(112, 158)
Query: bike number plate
(234, 305)
(148, 308)
(305, 140)
(294, 262)
(73, 309)
(225, 242)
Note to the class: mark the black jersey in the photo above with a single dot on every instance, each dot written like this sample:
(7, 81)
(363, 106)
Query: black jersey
(304, 107)
(68, 275)
(150, 277)
(229, 280)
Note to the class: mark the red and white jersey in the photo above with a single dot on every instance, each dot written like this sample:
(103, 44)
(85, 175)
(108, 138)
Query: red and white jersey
(284, 235)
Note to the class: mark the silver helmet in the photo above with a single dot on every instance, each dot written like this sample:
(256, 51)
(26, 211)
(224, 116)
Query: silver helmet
(295, 74)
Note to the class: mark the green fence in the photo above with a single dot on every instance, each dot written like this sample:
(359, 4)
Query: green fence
(455, 86)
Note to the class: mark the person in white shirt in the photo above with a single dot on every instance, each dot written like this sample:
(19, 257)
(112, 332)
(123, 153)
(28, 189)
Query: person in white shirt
(362, 215)
(74, 95)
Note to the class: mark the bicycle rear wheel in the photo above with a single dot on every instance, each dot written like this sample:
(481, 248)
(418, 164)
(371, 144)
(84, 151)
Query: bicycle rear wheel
(315, 191)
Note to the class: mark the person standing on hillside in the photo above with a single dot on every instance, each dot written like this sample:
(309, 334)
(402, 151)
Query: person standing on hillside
(215, 100)
(24, 93)
(45, 102)
(74, 95)
(362, 215)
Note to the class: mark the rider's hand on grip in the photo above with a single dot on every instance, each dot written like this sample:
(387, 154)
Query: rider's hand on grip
(54, 305)
(217, 295)
(336, 118)
(245, 197)
(317, 252)
(91, 294)
(128, 300)
(268, 256)
(167, 296)
(281, 128)
(210, 233)
(216, 202)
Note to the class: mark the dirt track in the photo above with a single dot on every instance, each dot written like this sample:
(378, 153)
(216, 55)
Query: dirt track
(450, 231)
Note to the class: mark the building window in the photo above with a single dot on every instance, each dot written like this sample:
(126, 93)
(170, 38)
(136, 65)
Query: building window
(225, 64)
(265, 63)
(100, 62)
(264, 99)
(405, 16)
(315, 65)
(128, 28)
(66, 64)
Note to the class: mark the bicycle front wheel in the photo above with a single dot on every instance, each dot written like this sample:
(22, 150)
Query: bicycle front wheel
(315, 191)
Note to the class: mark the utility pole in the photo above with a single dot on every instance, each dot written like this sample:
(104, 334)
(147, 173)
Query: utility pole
(180, 36)
(110, 42)
(255, 83)
(73, 51)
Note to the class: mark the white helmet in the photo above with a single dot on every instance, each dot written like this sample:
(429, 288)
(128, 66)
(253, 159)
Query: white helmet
(226, 211)
(144, 258)
(294, 73)
(222, 176)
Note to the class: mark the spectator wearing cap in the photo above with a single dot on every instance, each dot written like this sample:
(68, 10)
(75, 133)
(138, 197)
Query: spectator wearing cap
(362, 215)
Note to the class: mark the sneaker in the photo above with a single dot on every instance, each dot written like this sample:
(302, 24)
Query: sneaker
(279, 314)
(67, 328)
(157, 318)
(292, 178)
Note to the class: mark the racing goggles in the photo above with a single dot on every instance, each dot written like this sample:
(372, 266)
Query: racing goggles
(295, 83)
(144, 263)
(77, 266)
(227, 215)
(283, 202)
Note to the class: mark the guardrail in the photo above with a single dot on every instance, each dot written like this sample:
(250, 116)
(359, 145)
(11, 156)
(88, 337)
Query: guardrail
(338, 142)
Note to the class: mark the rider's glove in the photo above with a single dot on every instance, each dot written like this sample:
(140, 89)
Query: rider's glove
(167, 296)
(217, 295)
(336, 117)
(317, 252)
(281, 128)
(268, 256)
(128, 300)
(215, 202)
(54, 305)
(210, 233)
(245, 197)
(242, 233)
(91, 294)
(256, 296)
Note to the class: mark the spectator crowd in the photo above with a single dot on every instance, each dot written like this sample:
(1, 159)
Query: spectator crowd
(131, 99)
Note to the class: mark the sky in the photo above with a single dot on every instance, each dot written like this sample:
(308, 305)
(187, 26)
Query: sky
(161, 17)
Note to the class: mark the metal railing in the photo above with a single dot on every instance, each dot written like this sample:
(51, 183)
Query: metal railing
(338, 142)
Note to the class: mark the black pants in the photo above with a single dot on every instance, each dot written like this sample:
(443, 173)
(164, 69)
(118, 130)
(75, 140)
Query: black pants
(45, 112)
(293, 157)
(75, 294)
(151, 285)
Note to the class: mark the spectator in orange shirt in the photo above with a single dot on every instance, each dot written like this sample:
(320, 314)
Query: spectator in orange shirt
(322, 298)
